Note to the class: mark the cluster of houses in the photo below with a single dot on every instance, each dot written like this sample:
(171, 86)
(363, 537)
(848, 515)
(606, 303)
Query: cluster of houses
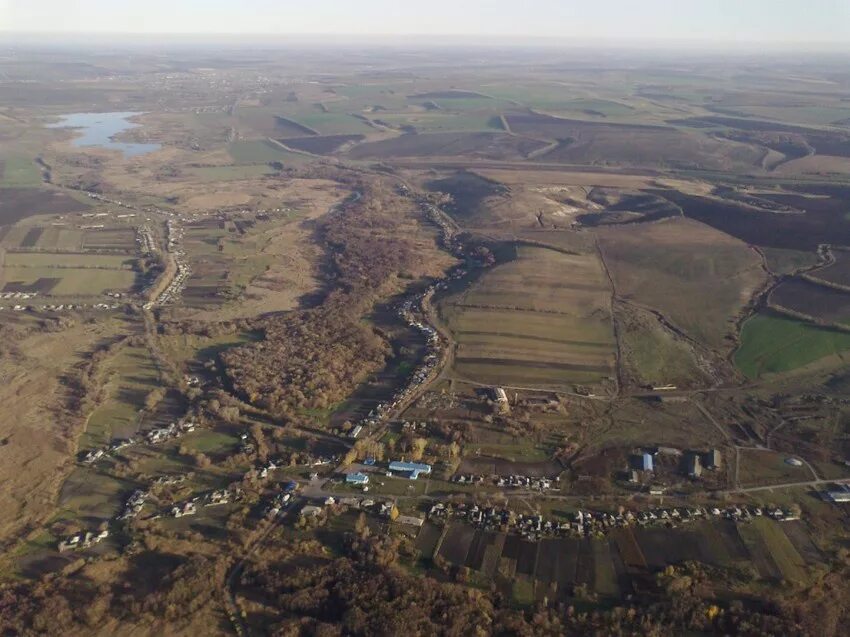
(174, 430)
(184, 509)
(23, 296)
(116, 445)
(591, 523)
(145, 241)
(172, 292)
(282, 499)
(82, 540)
(510, 482)
(99, 197)
(419, 375)
(134, 505)
(384, 509)
(60, 307)
(169, 480)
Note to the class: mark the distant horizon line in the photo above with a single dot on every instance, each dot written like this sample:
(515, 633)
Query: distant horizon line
(566, 41)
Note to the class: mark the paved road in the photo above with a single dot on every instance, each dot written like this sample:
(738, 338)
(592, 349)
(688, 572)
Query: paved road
(789, 485)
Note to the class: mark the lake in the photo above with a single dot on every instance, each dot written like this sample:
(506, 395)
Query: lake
(99, 129)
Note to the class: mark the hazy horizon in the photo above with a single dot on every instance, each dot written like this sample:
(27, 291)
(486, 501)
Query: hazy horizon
(816, 24)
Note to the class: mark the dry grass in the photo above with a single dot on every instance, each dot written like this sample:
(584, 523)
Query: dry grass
(37, 446)
(540, 320)
(698, 277)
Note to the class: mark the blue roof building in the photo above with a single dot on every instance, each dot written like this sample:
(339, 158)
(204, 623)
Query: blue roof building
(410, 469)
(356, 478)
(290, 486)
(646, 462)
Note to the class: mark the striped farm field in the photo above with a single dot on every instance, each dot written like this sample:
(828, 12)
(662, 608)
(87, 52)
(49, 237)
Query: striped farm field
(541, 320)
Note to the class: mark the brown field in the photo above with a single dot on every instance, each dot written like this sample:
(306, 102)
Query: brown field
(120, 238)
(699, 278)
(838, 272)
(320, 144)
(540, 320)
(588, 142)
(824, 303)
(816, 164)
(19, 203)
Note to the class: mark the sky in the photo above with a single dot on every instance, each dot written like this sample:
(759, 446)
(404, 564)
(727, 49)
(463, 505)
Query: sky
(819, 22)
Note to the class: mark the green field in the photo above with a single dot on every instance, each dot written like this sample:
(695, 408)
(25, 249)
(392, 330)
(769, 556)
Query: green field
(772, 344)
(208, 441)
(19, 172)
(261, 151)
(431, 122)
(605, 107)
(332, 123)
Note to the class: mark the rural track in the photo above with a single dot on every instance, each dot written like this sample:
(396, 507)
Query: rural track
(228, 597)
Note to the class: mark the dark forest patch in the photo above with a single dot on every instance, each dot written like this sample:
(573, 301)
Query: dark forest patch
(468, 191)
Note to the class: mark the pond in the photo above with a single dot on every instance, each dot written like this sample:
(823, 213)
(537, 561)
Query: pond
(100, 129)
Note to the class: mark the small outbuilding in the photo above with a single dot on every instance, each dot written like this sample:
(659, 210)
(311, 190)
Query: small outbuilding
(694, 466)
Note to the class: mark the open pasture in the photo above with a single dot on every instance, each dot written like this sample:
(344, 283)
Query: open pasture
(772, 343)
(225, 173)
(700, 279)
(542, 319)
(67, 281)
(759, 467)
(132, 374)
